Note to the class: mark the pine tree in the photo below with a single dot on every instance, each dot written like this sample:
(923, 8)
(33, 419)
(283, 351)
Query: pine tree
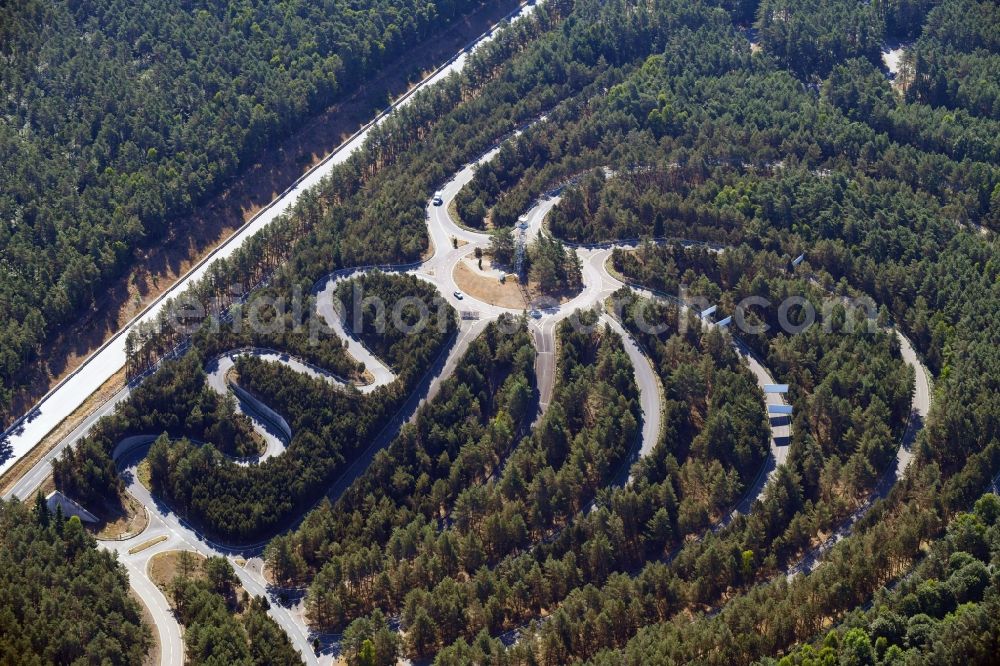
(41, 510)
(421, 635)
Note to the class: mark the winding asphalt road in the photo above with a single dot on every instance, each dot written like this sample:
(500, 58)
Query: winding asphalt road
(69, 394)
(271, 426)
(28, 431)
(439, 271)
(779, 427)
(650, 399)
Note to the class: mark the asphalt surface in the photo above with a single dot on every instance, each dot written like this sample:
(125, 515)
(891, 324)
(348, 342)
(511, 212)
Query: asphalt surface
(545, 363)
(649, 392)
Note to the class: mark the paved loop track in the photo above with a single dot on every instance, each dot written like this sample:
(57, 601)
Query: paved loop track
(437, 270)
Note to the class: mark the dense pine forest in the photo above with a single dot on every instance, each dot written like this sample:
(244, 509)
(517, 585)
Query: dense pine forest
(119, 118)
(750, 149)
(944, 612)
(63, 600)
(223, 624)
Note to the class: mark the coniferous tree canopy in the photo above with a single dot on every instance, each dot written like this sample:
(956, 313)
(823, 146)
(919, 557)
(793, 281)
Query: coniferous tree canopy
(118, 119)
(497, 536)
(63, 600)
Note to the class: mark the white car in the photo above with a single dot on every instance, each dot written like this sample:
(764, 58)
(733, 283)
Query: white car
(458, 295)
(438, 198)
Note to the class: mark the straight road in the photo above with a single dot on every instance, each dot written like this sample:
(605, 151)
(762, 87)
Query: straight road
(164, 624)
(545, 362)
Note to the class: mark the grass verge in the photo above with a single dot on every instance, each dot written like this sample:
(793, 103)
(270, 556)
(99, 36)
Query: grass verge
(147, 544)
(128, 521)
(163, 567)
(487, 289)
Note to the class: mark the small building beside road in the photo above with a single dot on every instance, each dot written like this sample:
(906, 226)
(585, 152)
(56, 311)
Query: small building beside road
(69, 507)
